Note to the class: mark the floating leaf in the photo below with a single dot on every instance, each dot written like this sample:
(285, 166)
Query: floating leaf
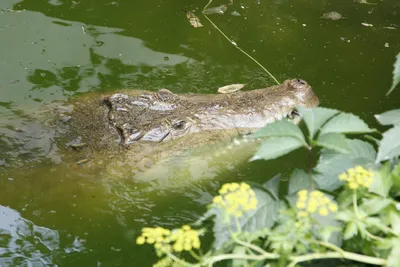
(216, 10)
(390, 145)
(390, 117)
(281, 128)
(335, 141)
(345, 123)
(227, 89)
(315, 117)
(193, 19)
(396, 74)
(273, 148)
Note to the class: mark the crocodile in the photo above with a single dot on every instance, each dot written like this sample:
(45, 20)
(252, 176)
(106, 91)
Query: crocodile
(139, 128)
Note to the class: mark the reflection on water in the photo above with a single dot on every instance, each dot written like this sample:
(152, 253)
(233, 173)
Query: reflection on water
(22, 243)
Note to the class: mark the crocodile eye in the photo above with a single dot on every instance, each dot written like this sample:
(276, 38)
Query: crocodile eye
(180, 125)
(301, 81)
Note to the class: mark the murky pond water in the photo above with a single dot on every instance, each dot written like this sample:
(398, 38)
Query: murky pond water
(52, 50)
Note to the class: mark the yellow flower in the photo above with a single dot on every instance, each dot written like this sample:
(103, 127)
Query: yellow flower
(163, 239)
(323, 211)
(185, 239)
(140, 240)
(236, 198)
(309, 203)
(357, 177)
(157, 236)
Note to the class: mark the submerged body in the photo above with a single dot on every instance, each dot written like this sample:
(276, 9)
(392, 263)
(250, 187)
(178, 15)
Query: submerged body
(139, 128)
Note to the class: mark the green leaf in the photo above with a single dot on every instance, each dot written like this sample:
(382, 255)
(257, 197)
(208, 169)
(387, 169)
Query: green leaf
(281, 128)
(394, 257)
(382, 181)
(396, 177)
(328, 169)
(335, 141)
(273, 148)
(239, 262)
(264, 216)
(298, 180)
(375, 205)
(362, 150)
(345, 123)
(273, 186)
(315, 117)
(332, 163)
(390, 145)
(350, 231)
(396, 74)
(390, 117)
(395, 220)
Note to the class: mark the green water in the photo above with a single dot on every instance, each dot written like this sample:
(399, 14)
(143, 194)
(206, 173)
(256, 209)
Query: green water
(52, 50)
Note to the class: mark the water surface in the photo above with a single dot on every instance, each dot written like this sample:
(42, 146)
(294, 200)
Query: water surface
(57, 49)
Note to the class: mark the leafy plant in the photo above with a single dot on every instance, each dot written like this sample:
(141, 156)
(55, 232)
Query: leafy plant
(345, 206)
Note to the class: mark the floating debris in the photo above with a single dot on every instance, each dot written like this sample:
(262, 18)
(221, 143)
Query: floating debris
(77, 145)
(366, 24)
(235, 13)
(332, 16)
(193, 19)
(386, 44)
(364, 2)
(216, 10)
(227, 89)
(82, 161)
(390, 28)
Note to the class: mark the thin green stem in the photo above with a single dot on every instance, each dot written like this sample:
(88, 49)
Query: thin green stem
(206, 6)
(238, 227)
(183, 263)
(310, 158)
(254, 247)
(222, 257)
(337, 255)
(195, 255)
(355, 207)
(235, 45)
(328, 245)
(372, 236)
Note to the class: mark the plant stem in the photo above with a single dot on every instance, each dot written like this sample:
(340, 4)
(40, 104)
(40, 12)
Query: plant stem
(235, 45)
(238, 227)
(222, 257)
(253, 247)
(329, 245)
(337, 255)
(355, 207)
(310, 167)
(194, 255)
(181, 262)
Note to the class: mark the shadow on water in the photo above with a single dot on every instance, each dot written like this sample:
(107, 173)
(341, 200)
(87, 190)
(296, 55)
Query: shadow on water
(53, 50)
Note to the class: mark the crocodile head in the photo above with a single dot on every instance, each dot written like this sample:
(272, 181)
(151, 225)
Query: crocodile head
(164, 116)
